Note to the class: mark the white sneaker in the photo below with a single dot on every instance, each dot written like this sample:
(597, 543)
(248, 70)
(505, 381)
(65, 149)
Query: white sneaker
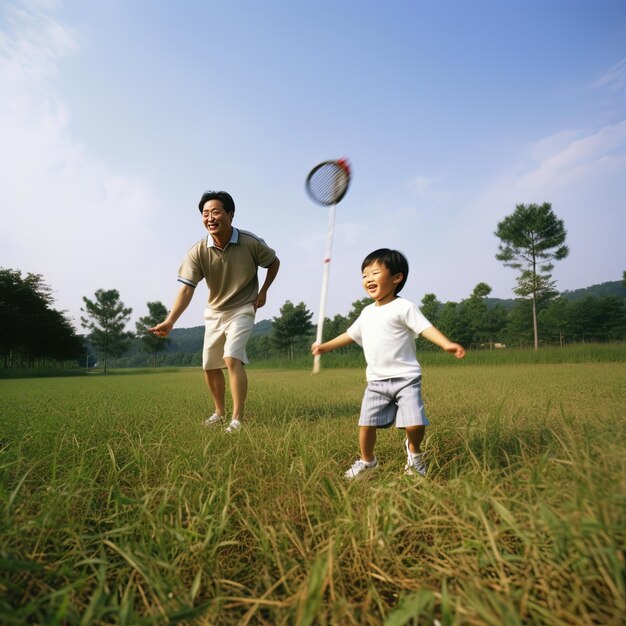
(214, 419)
(234, 426)
(360, 466)
(416, 465)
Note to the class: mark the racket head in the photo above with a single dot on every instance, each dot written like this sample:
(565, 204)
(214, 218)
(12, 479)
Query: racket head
(328, 182)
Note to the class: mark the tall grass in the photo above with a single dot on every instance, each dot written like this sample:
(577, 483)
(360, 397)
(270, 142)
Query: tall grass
(574, 353)
(118, 506)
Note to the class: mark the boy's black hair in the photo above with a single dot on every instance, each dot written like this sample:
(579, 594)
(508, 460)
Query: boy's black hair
(225, 198)
(393, 260)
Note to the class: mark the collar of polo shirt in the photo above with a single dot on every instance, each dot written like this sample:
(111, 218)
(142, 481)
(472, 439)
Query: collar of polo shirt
(234, 238)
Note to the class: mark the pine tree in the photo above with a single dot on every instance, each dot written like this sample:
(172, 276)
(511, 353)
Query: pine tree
(107, 317)
(531, 238)
(149, 342)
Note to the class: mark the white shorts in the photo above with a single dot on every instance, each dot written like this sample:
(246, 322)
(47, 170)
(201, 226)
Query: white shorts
(396, 400)
(226, 334)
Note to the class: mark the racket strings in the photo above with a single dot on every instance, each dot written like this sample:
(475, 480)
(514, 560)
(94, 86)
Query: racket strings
(328, 183)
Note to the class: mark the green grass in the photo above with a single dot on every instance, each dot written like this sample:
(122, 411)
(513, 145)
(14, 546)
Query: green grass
(117, 506)
(430, 356)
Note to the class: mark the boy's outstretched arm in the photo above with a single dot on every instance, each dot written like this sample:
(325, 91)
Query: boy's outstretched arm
(338, 342)
(438, 338)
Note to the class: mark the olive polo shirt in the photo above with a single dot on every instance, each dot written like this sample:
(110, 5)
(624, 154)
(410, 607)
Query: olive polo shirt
(231, 273)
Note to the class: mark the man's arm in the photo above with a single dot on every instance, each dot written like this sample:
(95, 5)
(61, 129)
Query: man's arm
(272, 270)
(181, 302)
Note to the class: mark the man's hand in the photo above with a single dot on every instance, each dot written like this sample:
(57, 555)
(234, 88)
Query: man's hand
(272, 270)
(162, 330)
(260, 300)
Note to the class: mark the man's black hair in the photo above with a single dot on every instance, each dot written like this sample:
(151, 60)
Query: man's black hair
(225, 198)
(393, 260)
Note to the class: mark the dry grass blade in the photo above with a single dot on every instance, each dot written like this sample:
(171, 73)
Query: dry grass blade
(118, 506)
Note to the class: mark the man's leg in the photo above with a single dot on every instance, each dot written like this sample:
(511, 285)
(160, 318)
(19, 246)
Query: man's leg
(212, 363)
(217, 386)
(238, 330)
(238, 385)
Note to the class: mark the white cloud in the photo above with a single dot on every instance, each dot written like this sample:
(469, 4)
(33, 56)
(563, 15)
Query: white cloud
(581, 173)
(420, 184)
(614, 79)
(570, 158)
(427, 196)
(349, 233)
(65, 213)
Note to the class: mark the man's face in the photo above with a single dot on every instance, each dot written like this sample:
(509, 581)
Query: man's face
(215, 219)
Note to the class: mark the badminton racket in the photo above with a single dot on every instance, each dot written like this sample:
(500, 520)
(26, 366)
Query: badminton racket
(327, 184)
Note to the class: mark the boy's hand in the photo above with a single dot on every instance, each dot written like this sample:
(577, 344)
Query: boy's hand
(439, 339)
(315, 349)
(457, 349)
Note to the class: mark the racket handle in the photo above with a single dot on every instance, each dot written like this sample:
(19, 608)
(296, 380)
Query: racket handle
(325, 275)
(317, 359)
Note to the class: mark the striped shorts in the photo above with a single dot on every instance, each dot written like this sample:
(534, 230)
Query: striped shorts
(396, 400)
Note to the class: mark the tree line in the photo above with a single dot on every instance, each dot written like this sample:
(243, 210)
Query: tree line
(531, 239)
(106, 317)
(474, 322)
(32, 332)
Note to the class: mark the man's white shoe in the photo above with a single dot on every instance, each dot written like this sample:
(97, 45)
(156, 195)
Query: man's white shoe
(234, 426)
(360, 466)
(214, 419)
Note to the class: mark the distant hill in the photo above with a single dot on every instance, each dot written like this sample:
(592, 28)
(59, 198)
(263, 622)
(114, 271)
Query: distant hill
(191, 339)
(613, 288)
(507, 304)
(186, 339)
(264, 327)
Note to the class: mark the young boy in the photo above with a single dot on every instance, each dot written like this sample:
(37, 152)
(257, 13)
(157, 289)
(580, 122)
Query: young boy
(387, 329)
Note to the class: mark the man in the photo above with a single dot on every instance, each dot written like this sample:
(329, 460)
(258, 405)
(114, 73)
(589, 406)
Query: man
(228, 259)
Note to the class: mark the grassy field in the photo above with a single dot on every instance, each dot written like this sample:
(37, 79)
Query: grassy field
(118, 506)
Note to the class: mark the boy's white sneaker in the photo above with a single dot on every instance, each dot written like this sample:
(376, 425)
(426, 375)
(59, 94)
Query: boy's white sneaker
(234, 426)
(416, 465)
(359, 467)
(214, 419)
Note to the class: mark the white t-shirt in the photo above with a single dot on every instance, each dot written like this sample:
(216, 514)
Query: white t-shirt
(387, 334)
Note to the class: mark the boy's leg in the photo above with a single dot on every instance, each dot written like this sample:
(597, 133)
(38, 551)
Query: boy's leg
(415, 435)
(238, 386)
(367, 441)
(416, 464)
(217, 386)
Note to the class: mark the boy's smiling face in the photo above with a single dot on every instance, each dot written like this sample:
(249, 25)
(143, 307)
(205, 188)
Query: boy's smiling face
(379, 283)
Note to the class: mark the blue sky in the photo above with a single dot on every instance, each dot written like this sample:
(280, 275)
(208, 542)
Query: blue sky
(116, 116)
